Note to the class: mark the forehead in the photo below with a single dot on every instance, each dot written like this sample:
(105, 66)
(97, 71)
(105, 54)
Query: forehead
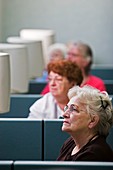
(74, 48)
(56, 52)
(53, 74)
(73, 100)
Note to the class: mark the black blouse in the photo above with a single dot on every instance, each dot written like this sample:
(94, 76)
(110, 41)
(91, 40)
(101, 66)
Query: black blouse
(95, 150)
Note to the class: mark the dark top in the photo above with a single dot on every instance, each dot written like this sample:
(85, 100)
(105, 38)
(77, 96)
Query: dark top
(95, 150)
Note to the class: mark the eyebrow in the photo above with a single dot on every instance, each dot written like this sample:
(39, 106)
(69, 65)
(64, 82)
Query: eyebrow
(57, 76)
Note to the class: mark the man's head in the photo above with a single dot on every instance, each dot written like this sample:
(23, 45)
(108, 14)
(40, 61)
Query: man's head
(81, 54)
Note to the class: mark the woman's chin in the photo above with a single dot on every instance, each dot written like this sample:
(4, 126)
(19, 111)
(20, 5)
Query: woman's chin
(65, 128)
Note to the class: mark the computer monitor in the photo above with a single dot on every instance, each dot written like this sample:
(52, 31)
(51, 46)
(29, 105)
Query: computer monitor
(18, 66)
(45, 35)
(4, 82)
(35, 55)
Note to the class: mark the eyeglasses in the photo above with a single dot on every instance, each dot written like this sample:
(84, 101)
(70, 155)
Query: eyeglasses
(56, 79)
(72, 54)
(71, 108)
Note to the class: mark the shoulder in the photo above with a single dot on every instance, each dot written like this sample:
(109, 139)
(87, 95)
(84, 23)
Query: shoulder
(43, 107)
(96, 150)
(45, 100)
(96, 82)
(95, 78)
(47, 96)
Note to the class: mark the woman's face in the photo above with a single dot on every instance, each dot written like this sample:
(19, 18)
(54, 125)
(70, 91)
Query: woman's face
(76, 119)
(56, 55)
(58, 84)
(76, 56)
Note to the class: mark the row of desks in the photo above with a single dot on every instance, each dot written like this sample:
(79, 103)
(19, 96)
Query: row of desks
(53, 165)
(38, 140)
(36, 87)
(105, 73)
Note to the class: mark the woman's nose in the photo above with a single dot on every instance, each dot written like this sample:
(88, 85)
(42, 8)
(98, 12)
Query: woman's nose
(66, 114)
(52, 81)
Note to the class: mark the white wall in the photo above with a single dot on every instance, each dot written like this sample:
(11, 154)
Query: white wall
(0, 20)
(87, 20)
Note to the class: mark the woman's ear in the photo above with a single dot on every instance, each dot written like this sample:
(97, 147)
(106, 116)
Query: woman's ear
(87, 60)
(94, 121)
(72, 84)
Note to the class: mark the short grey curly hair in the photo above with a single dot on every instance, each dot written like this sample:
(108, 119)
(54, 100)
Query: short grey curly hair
(57, 47)
(96, 102)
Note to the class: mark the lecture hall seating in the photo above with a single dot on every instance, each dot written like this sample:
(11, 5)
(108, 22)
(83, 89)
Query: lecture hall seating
(39, 140)
(54, 138)
(20, 139)
(6, 165)
(19, 105)
(36, 87)
(106, 73)
(55, 165)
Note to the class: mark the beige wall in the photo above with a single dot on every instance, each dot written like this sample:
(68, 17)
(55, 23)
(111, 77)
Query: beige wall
(87, 20)
(0, 20)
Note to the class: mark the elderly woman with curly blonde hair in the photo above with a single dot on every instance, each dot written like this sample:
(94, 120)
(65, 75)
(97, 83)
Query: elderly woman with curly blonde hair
(88, 117)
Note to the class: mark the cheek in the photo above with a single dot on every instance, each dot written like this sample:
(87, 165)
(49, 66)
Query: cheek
(68, 85)
(64, 86)
(60, 86)
(85, 122)
(74, 59)
(79, 121)
(78, 62)
(74, 120)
